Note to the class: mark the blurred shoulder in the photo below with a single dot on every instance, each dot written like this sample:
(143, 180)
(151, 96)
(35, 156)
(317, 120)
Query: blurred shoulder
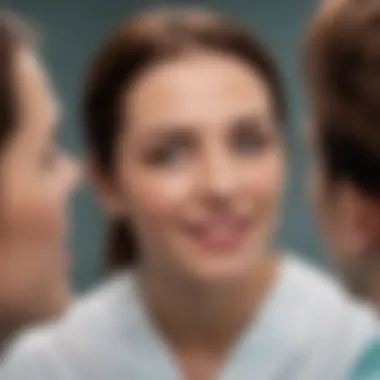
(311, 278)
(317, 291)
(336, 326)
(93, 319)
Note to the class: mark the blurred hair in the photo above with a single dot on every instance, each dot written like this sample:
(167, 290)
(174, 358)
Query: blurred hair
(342, 62)
(150, 38)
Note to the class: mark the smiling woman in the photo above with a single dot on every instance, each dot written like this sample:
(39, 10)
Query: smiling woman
(184, 117)
(36, 181)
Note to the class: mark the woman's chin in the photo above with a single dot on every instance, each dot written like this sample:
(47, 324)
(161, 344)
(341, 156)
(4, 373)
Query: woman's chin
(225, 270)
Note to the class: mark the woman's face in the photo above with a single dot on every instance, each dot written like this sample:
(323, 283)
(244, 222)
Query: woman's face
(201, 166)
(36, 181)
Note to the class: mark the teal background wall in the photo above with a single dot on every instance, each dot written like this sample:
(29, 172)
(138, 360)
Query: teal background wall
(72, 30)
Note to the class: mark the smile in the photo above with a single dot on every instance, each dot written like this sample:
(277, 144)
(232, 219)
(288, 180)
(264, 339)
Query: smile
(220, 234)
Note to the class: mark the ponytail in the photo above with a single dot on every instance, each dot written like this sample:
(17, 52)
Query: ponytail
(122, 247)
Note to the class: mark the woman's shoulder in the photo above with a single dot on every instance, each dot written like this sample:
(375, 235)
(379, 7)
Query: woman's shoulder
(104, 301)
(315, 290)
(310, 279)
(320, 310)
(94, 320)
(100, 310)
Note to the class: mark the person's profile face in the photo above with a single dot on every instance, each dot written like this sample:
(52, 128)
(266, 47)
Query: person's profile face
(36, 181)
(201, 166)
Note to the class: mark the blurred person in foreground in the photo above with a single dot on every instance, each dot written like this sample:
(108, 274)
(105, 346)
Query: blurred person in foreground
(185, 127)
(343, 74)
(36, 180)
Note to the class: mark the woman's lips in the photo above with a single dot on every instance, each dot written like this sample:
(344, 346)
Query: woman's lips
(219, 235)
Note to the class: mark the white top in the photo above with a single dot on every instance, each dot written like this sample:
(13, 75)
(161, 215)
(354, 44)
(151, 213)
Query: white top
(307, 330)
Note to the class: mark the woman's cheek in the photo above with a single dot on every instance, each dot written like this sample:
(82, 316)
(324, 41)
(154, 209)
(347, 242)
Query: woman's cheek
(161, 195)
(32, 216)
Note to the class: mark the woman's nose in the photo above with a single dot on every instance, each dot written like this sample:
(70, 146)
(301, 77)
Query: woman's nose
(219, 179)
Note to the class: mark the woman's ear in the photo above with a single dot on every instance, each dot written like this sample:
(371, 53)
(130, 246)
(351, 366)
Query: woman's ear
(361, 214)
(369, 219)
(105, 186)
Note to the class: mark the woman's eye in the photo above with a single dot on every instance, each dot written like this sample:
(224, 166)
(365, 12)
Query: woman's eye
(167, 156)
(249, 142)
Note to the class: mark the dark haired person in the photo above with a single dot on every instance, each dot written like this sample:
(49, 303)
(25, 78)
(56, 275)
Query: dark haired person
(343, 68)
(35, 183)
(184, 120)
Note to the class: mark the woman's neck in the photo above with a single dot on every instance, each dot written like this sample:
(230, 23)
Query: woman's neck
(207, 317)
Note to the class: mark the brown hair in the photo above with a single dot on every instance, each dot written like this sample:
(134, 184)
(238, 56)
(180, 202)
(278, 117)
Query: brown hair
(14, 33)
(147, 39)
(342, 59)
